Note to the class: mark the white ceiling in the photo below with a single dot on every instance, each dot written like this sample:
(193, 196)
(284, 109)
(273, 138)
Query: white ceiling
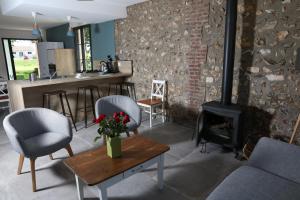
(16, 14)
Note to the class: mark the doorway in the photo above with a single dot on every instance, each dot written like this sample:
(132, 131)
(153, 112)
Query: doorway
(21, 57)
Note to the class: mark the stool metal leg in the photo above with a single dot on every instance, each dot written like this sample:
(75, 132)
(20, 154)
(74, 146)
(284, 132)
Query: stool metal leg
(134, 92)
(43, 101)
(70, 112)
(98, 93)
(92, 101)
(48, 101)
(85, 111)
(76, 106)
(62, 104)
(128, 91)
(108, 90)
(121, 88)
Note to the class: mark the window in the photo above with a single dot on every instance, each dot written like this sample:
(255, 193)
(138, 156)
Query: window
(19, 64)
(83, 48)
(29, 52)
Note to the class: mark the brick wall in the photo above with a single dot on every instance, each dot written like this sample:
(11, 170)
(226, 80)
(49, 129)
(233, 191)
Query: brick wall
(195, 20)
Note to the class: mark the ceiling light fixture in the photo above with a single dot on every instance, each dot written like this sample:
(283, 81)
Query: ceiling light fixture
(70, 32)
(35, 29)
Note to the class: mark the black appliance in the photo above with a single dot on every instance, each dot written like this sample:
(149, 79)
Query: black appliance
(220, 122)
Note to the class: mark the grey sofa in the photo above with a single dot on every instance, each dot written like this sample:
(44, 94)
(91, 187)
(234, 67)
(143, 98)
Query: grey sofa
(272, 173)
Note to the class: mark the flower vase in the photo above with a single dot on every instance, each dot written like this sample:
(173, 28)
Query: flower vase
(113, 146)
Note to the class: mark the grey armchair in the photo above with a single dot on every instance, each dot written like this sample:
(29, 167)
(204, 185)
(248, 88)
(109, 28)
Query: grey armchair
(117, 103)
(36, 132)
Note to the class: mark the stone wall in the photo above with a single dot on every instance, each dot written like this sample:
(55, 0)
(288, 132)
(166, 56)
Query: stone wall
(265, 76)
(182, 41)
(164, 40)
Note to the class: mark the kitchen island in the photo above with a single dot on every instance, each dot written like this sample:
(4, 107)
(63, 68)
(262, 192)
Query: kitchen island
(25, 93)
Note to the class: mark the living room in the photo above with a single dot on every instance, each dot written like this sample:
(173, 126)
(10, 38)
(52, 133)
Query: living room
(204, 81)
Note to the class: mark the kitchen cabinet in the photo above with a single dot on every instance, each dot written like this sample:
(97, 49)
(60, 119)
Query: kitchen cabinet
(65, 62)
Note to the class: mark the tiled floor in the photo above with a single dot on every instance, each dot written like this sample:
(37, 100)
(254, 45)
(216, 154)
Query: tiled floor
(189, 174)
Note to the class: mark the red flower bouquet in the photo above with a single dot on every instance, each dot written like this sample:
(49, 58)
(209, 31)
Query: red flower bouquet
(113, 126)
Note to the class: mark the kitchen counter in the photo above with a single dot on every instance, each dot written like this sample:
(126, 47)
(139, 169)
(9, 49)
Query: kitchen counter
(87, 77)
(24, 94)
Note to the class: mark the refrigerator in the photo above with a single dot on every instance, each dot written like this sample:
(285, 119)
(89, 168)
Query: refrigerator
(46, 54)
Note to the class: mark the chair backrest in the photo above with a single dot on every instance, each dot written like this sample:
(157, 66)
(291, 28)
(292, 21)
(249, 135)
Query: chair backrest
(158, 89)
(116, 103)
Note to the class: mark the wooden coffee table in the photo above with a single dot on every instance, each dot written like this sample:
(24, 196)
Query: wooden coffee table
(94, 167)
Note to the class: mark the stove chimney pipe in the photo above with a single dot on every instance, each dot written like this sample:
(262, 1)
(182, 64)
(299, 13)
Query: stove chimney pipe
(229, 51)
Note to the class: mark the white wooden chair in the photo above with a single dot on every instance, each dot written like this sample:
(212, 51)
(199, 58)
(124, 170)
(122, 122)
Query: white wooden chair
(4, 95)
(158, 92)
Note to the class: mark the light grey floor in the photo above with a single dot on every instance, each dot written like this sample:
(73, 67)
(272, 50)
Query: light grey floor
(189, 174)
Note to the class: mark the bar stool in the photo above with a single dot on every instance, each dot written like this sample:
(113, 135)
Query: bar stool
(129, 87)
(61, 94)
(84, 90)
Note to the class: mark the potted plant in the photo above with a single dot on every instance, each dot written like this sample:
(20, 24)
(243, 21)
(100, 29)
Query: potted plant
(111, 128)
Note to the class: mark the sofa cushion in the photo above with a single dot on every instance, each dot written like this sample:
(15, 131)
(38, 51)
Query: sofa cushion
(277, 157)
(249, 183)
(46, 143)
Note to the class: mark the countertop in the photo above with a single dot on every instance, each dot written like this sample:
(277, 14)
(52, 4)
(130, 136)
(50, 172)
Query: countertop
(87, 77)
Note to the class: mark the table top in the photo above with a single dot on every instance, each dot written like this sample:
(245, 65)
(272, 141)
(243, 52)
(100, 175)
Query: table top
(94, 166)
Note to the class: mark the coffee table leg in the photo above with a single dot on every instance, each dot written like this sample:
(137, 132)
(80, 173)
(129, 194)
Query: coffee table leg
(160, 172)
(102, 191)
(79, 187)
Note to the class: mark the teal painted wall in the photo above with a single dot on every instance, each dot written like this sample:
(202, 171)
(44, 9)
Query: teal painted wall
(102, 34)
(103, 40)
(58, 34)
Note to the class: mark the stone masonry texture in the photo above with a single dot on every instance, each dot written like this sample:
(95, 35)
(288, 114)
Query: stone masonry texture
(181, 41)
(164, 40)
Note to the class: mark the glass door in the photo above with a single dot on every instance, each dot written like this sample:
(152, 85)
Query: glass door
(21, 58)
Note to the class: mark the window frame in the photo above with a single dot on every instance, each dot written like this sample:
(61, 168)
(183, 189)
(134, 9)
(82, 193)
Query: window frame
(82, 45)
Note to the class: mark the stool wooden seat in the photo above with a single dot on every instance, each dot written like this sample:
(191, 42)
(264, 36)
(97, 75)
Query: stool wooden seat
(83, 90)
(62, 94)
(129, 87)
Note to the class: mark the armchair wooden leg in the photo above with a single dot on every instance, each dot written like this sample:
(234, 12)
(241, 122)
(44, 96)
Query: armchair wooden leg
(21, 161)
(32, 166)
(135, 132)
(69, 149)
(51, 156)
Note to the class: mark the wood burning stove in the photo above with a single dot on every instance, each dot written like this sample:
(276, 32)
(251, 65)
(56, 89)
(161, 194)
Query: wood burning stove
(220, 122)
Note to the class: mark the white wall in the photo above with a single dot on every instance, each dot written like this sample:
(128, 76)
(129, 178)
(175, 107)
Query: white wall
(20, 34)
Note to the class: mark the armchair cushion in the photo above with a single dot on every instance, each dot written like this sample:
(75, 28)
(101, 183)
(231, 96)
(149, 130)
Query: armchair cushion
(45, 144)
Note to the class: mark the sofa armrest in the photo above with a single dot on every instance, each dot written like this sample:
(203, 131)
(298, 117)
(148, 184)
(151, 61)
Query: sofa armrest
(277, 157)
